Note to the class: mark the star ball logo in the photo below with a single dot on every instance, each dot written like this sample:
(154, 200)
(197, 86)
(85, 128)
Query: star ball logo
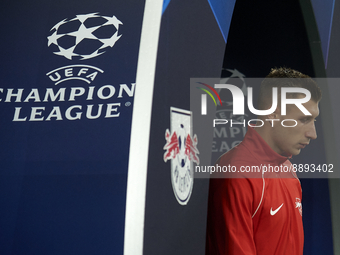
(85, 36)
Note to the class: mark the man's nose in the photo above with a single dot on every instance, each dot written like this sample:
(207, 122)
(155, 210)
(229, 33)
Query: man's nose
(311, 132)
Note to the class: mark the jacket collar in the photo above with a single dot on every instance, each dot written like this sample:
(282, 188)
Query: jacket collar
(261, 150)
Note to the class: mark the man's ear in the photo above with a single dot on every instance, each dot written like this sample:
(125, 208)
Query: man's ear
(275, 114)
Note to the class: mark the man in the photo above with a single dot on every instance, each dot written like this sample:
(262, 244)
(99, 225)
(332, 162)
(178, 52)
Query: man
(261, 212)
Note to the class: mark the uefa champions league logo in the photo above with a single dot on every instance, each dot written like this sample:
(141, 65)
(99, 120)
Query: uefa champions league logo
(85, 36)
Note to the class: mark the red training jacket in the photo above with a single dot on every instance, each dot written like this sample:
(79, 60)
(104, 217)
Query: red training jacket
(256, 213)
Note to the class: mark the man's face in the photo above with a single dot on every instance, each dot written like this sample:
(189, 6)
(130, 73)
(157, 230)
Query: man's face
(290, 140)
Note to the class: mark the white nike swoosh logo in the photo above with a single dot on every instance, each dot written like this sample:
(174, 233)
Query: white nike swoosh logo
(274, 212)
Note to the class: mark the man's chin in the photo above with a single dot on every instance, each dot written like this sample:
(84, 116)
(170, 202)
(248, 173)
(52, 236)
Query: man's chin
(296, 152)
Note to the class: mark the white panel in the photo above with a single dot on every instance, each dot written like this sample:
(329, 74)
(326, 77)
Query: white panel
(140, 130)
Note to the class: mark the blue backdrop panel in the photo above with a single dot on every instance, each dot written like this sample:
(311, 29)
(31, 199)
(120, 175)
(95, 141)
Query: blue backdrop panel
(223, 11)
(191, 45)
(323, 12)
(67, 79)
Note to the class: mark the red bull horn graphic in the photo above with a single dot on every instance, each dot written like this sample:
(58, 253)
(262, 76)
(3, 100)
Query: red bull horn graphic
(181, 149)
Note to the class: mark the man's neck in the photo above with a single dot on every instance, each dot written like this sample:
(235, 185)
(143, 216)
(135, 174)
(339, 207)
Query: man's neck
(265, 133)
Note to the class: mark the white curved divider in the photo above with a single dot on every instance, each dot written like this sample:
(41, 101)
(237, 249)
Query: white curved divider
(140, 129)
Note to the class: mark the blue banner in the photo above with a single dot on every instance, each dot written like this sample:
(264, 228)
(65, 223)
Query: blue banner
(67, 82)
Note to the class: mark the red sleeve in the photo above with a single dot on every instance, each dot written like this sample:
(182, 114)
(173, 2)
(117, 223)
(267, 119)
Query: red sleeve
(230, 210)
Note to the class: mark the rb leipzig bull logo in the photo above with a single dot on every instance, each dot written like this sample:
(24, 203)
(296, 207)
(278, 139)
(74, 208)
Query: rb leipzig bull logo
(181, 149)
